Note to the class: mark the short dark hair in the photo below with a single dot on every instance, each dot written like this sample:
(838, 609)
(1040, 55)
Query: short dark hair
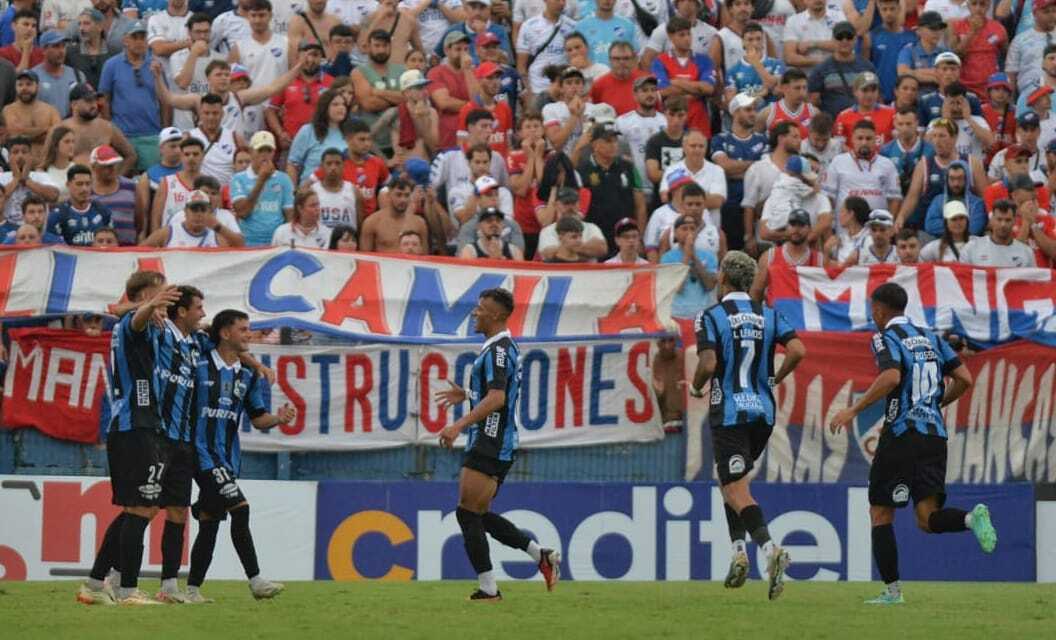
(76, 170)
(529, 117)
(752, 26)
(955, 89)
(187, 296)
(104, 230)
(576, 35)
(260, 5)
(902, 78)
(476, 115)
(196, 18)
(692, 190)
(779, 130)
(822, 123)
(216, 64)
(569, 224)
(24, 13)
(793, 74)
(331, 151)
(401, 182)
(621, 44)
(32, 199)
(500, 296)
(15, 141)
(678, 23)
(907, 110)
(207, 182)
(676, 103)
(411, 232)
(353, 126)
(477, 148)
(859, 207)
(906, 233)
(338, 232)
(191, 141)
(141, 280)
(1049, 49)
(865, 124)
(1004, 204)
(223, 320)
(212, 98)
(892, 296)
(341, 30)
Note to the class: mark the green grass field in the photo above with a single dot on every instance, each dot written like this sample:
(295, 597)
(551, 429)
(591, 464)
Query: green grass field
(433, 611)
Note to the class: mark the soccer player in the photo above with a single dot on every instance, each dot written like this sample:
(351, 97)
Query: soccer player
(910, 459)
(736, 340)
(226, 390)
(494, 384)
(135, 445)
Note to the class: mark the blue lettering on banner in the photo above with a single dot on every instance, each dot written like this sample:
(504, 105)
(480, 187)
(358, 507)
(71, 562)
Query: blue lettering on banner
(556, 291)
(427, 298)
(598, 385)
(538, 383)
(324, 360)
(260, 296)
(389, 422)
(63, 269)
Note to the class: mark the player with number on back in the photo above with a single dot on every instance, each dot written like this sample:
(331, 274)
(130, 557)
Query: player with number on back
(225, 390)
(910, 459)
(736, 342)
(495, 383)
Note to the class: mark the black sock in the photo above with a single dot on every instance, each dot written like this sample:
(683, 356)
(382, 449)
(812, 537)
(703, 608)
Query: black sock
(736, 526)
(885, 552)
(202, 551)
(106, 557)
(476, 542)
(131, 551)
(243, 540)
(171, 549)
(753, 522)
(505, 531)
(947, 520)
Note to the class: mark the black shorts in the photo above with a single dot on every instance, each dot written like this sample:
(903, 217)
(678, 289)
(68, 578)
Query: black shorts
(137, 467)
(911, 465)
(179, 472)
(737, 448)
(218, 491)
(487, 465)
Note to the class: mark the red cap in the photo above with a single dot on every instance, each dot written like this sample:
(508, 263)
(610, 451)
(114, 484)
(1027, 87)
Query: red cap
(486, 69)
(1017, 151)
(486, 37)
(1038, 93)
(105, 155)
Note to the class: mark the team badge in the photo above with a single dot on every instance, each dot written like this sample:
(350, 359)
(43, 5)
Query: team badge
(900, 495)
(225, 389)
(737, 464)
(595, 179)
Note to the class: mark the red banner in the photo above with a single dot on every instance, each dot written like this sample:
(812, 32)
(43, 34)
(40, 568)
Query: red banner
(56, 382)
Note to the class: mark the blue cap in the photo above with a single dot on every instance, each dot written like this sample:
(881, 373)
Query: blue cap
(799, 166)
(1051, 147)
(1029, 119)
(52, 37)
(26, 73)
(417, 170)
(137, 27)
(998, 80)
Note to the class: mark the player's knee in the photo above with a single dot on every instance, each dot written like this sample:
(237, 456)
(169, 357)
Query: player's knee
(879, 516)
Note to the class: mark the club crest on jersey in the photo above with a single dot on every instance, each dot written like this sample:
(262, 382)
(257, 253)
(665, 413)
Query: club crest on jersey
(225, 389)
(900, 495)
(736, 464)
(240, 389)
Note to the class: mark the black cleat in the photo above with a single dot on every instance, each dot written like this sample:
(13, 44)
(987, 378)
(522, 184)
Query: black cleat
(480, 596)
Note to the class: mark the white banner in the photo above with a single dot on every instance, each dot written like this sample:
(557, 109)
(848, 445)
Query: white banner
(52, 526)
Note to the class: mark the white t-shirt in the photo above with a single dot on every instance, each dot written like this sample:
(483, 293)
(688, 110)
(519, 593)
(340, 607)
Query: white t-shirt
(732, 48)
(759, 180)
(265, 61)
(776, 210)
(219, 161)
(848, 244)
(711, 179)
(282, 12)
(13, 206)
(180, 237)
(984, 252)
(708, 238)
(457, 198)
(970, 145)
(930, 252)
(948, 9)
(1037, 165)
(548, 238)
(876, 181)
(867, 257)
(337, 208)
(165, 26)
(636, 129)
(184, 118)
(803, 27)
(450, 169)
(523, 10)
(557, 113)
(702, 34)
(775, 22)
(52, 11)
(617, 260)
(432, 24)
(287, 233)
(228, 28)
(530, 39)
(660, 220)
(176, 195)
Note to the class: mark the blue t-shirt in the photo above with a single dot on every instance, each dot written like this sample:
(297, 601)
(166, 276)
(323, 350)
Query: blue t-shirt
(306, 151)
(147, 8)
(133, 102)
(915, 57)
(274, 199)
(159, 172)
(7, 31)
(745, 79)
(931, 106)
(692, 297)
(78, 228)
(600, 34)
(906, 160)
(751, 148)
(884, 52)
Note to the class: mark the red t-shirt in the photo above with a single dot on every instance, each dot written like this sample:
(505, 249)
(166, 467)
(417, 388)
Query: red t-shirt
(999, 190)
(444, 77)
(299, 100)
(613, 91)
(523, 206)
(980, 58)
(503, 131)
(881, 116)
(1003, 135)
(1046, 223)
(368, 177)
(14, 55)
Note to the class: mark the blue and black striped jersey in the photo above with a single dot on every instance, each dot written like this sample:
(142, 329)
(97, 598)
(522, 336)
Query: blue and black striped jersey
(924, 359)
(133, 401)
(744, 335)
(497, 367)
(176, 360)
(224, 392)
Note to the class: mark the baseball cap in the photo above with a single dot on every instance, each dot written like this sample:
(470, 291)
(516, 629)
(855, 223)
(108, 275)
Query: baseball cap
(998, 80)
(677, 179)
(641, 81)
(932, 20)
(486, 3)
(105, 155)
(866, 79)
(93, 13)
(799, 216)
(262, 140)
(52, 37)
(486, 70)
(412, 79)
(881, 218)
(453, 37)
(1038, 94)
(1017, 151)
(490, 212)
(486, 38)
(954, 209)
(27, 73)
(741, 101)
(600, 131)
(624, 224)
(310, 44)
(198, 197)
(571, 72)
(1029, 119)
(239, 71)
(842, 29)
(800, 166)
(683, 219)
(417, 170)
(484, 184)
(600, 113)
(168, 134)
(567, 195)
(137, 27)
(83, 91)
(947, 57)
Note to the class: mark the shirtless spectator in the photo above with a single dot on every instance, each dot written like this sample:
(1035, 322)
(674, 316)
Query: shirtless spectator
(382, 229)
(312, 24)
(29, 117)
(91, 131)
(399, 23)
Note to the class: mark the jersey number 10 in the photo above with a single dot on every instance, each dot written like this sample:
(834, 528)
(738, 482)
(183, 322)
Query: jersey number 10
(925, 381)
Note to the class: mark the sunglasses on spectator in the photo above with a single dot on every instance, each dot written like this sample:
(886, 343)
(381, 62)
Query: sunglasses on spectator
(845, 36)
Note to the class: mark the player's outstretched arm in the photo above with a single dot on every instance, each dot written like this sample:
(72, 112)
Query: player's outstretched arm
(164, 298)
(961, 381)
(795, 351)
(285, 415)
(885, 383)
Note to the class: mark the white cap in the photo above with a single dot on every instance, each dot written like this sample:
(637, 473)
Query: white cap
(947, 56)
(484, 184)
(262, 140)
(600, 112)
(954, 209)
(168, 134)
(740, 101)
(198, 197)
(881, 217)
(412, 79)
